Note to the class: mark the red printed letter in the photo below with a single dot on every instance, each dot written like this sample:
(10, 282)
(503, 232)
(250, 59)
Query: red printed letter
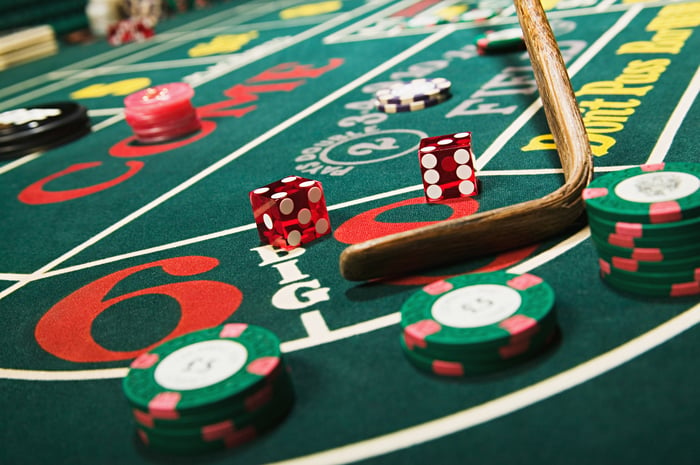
(36, 195)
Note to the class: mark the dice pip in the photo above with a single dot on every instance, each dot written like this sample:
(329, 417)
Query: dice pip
(290, 212)
(447, 166)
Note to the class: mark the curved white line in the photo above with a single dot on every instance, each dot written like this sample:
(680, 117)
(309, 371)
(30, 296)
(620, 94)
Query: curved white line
(504, 405)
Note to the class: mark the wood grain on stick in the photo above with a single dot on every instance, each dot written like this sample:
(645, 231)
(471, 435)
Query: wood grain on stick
(505, 228)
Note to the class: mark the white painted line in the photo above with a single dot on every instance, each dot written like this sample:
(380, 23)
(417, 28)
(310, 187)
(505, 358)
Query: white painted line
(663, 144)
(314, 324)
(500, 141)
(504, 405)
(250, 226)
(234, 155)
(19, 162)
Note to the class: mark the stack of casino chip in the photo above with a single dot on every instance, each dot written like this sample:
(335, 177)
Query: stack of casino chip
(25, 45)
(41, 127)
(162, 113)
(501, 41)
(412, 95)
(209, 390)
(478, 323)
(645, 225)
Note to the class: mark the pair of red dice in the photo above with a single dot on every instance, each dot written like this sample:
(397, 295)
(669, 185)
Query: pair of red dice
(292, 211)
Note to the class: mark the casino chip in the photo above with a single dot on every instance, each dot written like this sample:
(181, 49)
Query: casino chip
(209, 390)
(42, 127)
(644, 224)
(162, 113)
(407, 107)
(478, 323)
(502, 41)
(414, 91)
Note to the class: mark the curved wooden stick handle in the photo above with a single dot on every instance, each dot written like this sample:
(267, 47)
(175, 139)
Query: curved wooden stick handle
(508, 227)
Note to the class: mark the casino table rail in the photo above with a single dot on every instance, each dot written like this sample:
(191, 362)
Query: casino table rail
(507, 227)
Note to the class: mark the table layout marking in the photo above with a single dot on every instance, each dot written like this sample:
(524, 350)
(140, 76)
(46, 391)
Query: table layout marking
(663, 144)
(504, 405)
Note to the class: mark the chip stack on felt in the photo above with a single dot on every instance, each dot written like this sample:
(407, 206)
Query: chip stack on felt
(26, 45)
(412, 95)
(162, 113)
(209, 390)
(478, 323)
(41, 127)
(645, 225)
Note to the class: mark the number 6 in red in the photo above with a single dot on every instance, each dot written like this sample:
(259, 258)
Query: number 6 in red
(65, 330)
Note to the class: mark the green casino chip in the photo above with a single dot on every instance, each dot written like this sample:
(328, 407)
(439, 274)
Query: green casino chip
(203, 370)
(648, 254)
(662, 278)
(460, 368)
(652, 194)
(476, 311)
(682, 289)
(662, 231)
(224, 435)
(261, 419)
(488, 355)
(671, 241)
(256, 403)
(685, 264)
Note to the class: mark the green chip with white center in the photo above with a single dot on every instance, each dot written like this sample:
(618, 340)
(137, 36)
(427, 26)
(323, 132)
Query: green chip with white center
(203, 370)
(459, 368)
(482, 310)
(478, 355)
(651, 194)
(255, 405)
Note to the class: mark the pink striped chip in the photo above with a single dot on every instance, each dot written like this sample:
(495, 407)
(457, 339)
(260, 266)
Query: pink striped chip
(164, 404)
(626, 264)
(236, 438)
(524, 281)
(259, 399)
(647, 255)
(142, 436)
(685, 289)
(445, 368)
(604, 266)
(620, 240)
(218, 430)
(594, 192)
(437, 287)
(520, 326)
(143, 418)
(629, 229)
(665, 212)
(263, 366)
(144, 361)
(233, 330)
(415, 334)
(653, 167)
(511, 351)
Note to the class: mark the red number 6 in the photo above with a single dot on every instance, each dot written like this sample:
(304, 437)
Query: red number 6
(65, 330)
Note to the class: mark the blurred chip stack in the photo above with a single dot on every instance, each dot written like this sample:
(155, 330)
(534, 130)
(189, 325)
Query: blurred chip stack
(25, 45)
(102, 14)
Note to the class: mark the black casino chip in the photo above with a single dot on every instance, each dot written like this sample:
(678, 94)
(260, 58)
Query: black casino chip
(42, 127)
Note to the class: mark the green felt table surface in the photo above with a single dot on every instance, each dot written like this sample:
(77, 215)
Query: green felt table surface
(109, 247)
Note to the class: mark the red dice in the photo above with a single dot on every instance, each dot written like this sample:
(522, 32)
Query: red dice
(447, 166)
(290, 212)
